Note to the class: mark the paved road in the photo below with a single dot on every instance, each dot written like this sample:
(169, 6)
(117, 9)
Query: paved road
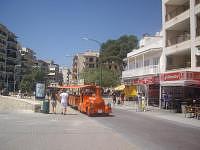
(36, 131)
(125, 130)
(151, 133)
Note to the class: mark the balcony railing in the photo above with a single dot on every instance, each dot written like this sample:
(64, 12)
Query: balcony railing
(12, 48)
(2, 60)
(178, 39)
(9, 68)
(12, 55)
(3, 33)
(182, 66)
(2, 68)
(2, 42)
(176, 12)
(2, 51)
(153, 69)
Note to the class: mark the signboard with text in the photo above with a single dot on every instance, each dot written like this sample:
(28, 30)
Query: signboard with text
(40, 90)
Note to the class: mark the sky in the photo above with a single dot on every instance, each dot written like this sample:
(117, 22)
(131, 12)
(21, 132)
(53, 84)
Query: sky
(54, 28)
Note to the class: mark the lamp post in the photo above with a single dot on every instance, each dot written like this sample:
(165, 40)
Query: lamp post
(14, 75)
(100, 65)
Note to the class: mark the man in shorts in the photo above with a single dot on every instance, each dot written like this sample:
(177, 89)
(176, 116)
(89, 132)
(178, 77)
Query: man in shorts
(63, 100)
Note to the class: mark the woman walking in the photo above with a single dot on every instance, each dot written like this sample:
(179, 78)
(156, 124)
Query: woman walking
(53, 102)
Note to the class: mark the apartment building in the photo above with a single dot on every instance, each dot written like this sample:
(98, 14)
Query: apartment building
(67, 76)
(81, 61)
(28, 60)
(143, 68)
(54, 74)
(43, 65)
(181, 53)
(9, 58)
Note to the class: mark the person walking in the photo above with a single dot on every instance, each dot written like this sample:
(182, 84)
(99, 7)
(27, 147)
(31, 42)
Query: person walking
(53, 101)
(64, 98)
(122, 97)
(139, 102)
(114, 97)
(143, 102)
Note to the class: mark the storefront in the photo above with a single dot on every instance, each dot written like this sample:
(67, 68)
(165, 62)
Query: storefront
(149, 86)
(180, 87)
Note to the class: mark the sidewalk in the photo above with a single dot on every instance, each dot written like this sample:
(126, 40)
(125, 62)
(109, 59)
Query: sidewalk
(28, 104)
(157, 113)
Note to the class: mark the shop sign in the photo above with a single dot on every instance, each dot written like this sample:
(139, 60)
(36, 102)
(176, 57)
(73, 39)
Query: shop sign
(147, 80)
(187, 75)
(172, 76)
(196, 76)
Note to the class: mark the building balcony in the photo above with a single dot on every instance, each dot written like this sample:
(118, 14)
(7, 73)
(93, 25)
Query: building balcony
(2, 60)
(178, 39)
(2, 51)
(3, 34)
(2, 68)
(154, 69)
(178, 67)
(12, 55)
(9, 68)
(12, 48)
(175, 12)
(177, 19)
(12, 42)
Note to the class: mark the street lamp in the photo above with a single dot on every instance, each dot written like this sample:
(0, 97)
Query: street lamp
(100, 44)
(14, 75)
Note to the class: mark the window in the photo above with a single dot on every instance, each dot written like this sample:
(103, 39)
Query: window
(91, 59)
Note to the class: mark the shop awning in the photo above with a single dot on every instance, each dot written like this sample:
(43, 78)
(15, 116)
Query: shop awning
(181, 83)
(120, 88)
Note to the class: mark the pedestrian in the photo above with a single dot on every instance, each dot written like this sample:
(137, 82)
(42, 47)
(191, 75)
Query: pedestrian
(122, 97)
(118, 98)
(114, 97)
(63, 100)
(143, 102)
(139, 102)
(53, 101)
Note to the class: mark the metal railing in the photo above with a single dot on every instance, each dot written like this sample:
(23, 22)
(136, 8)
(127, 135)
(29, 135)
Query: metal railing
(152, 69)
(182, 66)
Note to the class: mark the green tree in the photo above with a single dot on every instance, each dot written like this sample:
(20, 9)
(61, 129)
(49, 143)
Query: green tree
(29, 80)
(93, 76)
(38, 75)
(27, 83)
(116, 50)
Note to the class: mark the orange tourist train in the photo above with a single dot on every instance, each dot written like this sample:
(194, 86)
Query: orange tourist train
(87, 99)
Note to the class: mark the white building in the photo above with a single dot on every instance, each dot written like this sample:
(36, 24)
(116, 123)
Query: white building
(143, 68)
(181, 53)
(54, 74)
(67, 76)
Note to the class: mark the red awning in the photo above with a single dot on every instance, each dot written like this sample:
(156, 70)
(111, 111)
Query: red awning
(75, 86)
